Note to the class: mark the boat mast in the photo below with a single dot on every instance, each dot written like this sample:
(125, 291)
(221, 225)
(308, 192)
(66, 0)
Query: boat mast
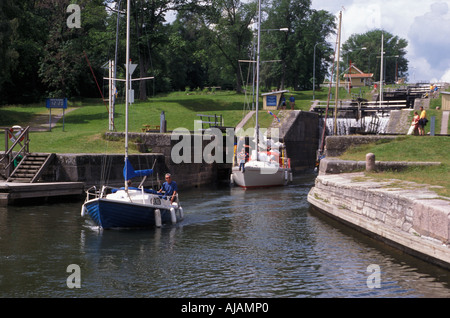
(257, 77)
(381, 68)
(336, 97)
(127, 85)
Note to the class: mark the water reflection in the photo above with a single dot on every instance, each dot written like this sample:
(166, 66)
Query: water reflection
(232, 243)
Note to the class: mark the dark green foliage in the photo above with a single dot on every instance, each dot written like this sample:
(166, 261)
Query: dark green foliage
(40, 56)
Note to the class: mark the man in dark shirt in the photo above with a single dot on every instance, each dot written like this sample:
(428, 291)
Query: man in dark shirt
(169, 187)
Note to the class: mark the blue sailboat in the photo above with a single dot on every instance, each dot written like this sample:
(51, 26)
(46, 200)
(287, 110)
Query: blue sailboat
(130, 207)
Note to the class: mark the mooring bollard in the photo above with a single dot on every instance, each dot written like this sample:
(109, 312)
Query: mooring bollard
(370, 162)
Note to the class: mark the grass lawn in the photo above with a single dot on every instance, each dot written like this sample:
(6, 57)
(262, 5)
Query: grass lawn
(85, 127)
(411, 148)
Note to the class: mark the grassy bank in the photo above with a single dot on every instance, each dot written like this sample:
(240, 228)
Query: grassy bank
(87, 123)
(411, 148)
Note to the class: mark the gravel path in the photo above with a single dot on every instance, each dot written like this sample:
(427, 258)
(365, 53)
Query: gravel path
(40, 121)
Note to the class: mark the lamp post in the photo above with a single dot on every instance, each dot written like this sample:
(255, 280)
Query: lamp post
(281, 29)
(314, 70)
(354, 50)
(257, 62)
(396, 64)
(396, 57)
(283, 60)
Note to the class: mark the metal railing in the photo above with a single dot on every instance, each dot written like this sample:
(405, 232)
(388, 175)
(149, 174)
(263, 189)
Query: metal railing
(19, 137)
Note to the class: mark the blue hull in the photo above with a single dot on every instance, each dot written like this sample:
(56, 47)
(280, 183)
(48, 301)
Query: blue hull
(113, 214)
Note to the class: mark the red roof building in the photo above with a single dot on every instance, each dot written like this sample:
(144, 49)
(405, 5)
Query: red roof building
(357, 78)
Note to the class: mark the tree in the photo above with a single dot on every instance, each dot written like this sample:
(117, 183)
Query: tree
(295, 48)
(187, 64)
(63, 67)
(149, 18)
(227, 24)
(22, 34)
(368, 60)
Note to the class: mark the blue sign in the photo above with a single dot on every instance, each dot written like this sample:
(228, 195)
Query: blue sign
(271, 100)
(56, 103)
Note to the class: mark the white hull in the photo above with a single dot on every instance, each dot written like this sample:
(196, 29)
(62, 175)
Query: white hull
(260, 174)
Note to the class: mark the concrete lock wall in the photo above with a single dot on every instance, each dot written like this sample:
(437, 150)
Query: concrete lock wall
(93, 169)
(300, 133)
(406, 215)
(413, 220)
(337, 145)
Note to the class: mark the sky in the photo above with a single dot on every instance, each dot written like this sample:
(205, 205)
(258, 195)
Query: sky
(425, 24)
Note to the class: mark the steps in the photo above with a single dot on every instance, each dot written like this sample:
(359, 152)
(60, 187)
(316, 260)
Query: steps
(31, 167)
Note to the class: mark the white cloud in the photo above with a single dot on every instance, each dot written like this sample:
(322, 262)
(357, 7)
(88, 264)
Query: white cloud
(446, 77)
(430, 38)
(425, 24)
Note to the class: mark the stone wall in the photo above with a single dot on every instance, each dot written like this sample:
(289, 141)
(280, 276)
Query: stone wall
(337, 145)
(336, 166)
(300, 132)
(95, 169)
(395, 211)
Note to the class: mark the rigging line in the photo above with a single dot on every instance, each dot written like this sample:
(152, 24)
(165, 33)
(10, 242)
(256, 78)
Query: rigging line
(106, 164)
(149, 54)
(107, 168)
(248, 76)
(244, 83)
(153, 166)
(102, 171)
(98, 86)
(328, 99)
(247, 100)
(116, 50)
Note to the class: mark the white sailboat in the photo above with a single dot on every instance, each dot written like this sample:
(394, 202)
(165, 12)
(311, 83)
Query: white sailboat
(265, 164)
(130, 207)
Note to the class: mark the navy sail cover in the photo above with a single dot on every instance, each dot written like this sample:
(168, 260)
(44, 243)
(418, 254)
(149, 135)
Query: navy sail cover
(129, 172)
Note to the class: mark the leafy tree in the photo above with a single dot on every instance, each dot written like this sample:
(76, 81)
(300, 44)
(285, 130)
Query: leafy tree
(227, 25)
(368, 59)
(149, 18)
(295, 48)
(22, 34)
(63, 67)
(188, 61)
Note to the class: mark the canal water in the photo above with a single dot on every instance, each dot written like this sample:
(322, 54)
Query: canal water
(266, 243)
